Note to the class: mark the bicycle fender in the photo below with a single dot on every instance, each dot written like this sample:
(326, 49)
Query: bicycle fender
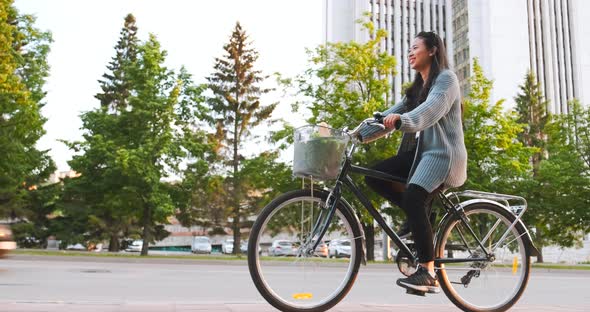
(533, 251)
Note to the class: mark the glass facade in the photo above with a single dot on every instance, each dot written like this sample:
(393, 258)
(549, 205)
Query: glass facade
(461, 43)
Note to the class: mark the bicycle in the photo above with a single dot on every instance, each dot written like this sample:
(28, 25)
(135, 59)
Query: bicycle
(481, 244)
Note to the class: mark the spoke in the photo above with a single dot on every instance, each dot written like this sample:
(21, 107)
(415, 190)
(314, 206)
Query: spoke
(463, 238)
(510, 242)
(311, 222)
(302, 213)
(491, 231)
(506, 233)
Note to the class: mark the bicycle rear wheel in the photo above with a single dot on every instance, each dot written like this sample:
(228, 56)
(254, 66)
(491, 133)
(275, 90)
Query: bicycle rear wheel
(287, 276)
(494, 285)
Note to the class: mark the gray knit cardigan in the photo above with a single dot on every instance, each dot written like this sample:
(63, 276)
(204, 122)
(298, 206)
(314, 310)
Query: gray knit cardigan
(441, 157)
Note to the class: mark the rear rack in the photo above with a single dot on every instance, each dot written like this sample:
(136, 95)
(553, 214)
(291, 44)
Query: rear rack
(518, 207)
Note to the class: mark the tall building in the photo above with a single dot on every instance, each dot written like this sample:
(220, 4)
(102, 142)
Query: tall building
(509, 37)
(559, 42)
(402, 19)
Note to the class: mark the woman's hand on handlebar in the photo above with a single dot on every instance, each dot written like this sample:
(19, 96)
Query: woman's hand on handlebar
(390, 120)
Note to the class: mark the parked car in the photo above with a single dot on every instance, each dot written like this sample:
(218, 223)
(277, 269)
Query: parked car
(339, 248)
(76, 246)
(282, 248)
(6, 240)
(244, 248)
(227, 246)
(201, 244)
(321, 250)
(135, 246)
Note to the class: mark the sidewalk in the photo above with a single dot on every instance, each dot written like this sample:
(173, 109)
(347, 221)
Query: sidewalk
(240, 307)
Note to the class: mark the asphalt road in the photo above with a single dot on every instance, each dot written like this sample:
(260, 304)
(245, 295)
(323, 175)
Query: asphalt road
(38, 283)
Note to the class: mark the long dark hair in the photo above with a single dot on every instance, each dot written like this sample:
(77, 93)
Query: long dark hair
(418, 91)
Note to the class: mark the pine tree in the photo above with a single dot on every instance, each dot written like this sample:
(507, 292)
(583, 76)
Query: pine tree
(532, 111)
(116, 82)
(237, 108)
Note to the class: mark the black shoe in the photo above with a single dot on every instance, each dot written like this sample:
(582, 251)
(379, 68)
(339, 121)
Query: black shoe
(420, 281)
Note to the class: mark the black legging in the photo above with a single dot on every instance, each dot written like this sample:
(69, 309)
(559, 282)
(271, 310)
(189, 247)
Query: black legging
(415, 201)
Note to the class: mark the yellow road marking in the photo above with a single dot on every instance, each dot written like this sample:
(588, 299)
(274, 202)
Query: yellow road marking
(302, 296)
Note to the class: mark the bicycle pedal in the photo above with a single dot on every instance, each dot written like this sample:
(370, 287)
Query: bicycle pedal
(411, 291)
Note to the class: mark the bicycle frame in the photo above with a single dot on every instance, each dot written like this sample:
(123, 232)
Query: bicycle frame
(321, 225)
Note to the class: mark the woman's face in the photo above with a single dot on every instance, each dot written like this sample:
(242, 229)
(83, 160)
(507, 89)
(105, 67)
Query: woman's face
(419, 56)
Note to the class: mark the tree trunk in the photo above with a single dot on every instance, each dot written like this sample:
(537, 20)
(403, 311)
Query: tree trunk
(236, 225)
(540, 257)
(536, 164)
(114, 243)
(538, 241)
(236, 229)
(147, 217)
(369, 230)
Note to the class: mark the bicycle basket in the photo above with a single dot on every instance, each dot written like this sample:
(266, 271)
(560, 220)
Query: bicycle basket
(319, 152)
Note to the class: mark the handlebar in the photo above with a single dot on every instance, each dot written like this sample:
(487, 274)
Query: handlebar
(378, 117)
(376, 120)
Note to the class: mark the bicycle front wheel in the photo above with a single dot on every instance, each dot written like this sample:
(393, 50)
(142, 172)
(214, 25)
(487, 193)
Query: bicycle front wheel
(286, 272)
(492, 285)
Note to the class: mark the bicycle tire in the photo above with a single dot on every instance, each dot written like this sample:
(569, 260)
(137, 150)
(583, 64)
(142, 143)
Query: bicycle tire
(444, 280)
(253, 257)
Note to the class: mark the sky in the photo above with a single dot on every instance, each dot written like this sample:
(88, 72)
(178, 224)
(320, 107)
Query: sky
(192, 32)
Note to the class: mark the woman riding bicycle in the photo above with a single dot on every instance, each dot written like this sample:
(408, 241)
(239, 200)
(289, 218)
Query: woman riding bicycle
(433, 160)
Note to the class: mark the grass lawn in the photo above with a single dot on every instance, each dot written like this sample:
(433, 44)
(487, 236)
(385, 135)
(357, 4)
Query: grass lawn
(68, 253)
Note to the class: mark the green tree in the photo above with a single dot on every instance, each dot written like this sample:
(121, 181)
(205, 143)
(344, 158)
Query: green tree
(578, 120)
(265, 177)
(532, 111)
(236, 109)
(557, 188)
(101, 187)
(116, 83)
(201, 201)
(145, 128)
(497, 161)
(35, 227)
(559, 192)
(23, 70)
(197, 195)
(151, 146)
(578, 123)
(345, 83)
